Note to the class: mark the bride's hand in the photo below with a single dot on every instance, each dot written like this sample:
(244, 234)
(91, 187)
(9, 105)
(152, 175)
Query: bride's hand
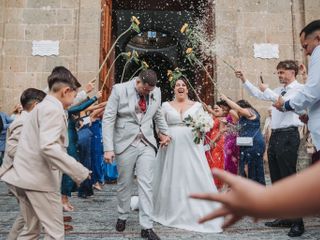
(164, 140)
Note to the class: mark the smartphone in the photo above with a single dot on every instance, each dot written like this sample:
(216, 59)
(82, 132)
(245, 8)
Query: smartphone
(261, 79)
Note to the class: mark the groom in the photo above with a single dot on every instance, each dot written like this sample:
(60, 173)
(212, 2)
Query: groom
(129, 138)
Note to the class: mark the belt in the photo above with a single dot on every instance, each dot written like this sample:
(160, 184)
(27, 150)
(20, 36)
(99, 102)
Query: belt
(287, 129)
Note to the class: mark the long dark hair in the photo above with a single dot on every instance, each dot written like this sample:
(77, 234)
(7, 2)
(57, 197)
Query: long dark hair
(245, 104)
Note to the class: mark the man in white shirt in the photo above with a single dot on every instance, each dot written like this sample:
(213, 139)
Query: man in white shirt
(309, 96)
(284, 141)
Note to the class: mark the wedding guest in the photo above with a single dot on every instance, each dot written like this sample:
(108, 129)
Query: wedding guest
(41, 158)
(251, 156)
(231, 150)
(29, 99)
(309, 96)
(284, 140)
(6, 121)
(214, 142)
(84, 147)
(73, 114)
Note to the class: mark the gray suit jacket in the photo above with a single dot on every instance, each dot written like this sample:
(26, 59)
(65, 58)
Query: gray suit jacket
(41, 155)
(120, 125)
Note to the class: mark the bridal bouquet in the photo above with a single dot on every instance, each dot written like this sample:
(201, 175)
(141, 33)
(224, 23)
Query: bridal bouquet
(200, 124)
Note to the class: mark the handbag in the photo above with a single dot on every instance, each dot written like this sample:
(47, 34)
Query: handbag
(244, 141)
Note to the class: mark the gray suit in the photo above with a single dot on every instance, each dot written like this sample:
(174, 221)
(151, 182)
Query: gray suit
(120, 127)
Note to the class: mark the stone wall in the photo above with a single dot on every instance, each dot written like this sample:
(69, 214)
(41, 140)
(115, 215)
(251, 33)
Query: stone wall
(74, 23)
(241, 23)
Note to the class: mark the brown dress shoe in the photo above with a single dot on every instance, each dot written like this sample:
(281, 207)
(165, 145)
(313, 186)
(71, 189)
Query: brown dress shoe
(67, 218)
(68, 227)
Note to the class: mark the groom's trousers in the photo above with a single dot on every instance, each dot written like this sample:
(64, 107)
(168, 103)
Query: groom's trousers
(141, 158)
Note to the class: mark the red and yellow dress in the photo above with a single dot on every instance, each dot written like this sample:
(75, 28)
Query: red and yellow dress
(215, 155)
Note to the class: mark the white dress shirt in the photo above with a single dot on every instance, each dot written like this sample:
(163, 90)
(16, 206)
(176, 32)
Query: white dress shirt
(278, 119)
(309, 97)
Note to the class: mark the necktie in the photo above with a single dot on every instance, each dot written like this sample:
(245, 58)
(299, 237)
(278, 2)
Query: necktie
(283, 92)
(142, 103)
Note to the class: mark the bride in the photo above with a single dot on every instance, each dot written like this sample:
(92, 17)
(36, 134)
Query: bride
(182, 169)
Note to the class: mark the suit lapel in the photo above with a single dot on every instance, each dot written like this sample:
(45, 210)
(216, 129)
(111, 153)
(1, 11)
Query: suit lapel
(151, 102)
(132, 95)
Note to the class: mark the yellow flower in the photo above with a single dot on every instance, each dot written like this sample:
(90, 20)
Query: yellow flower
(135, 54)
(189, 51)
(170, 78)
(169, 73)
(145, 65)
(135, 20)
(184, 28)
(128, 54)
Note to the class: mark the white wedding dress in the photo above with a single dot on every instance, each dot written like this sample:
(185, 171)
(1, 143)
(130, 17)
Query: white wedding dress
(182, 168)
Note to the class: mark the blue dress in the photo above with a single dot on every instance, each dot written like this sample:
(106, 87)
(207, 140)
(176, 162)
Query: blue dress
(97, 152)
(67, 183)
(252, 156)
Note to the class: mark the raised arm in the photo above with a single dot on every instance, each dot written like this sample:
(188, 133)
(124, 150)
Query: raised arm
(241, 111)
(84, 105)
(264, 93)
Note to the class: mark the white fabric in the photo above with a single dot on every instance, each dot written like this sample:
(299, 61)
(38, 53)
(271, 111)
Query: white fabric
(278, 119)
(182, 169)
(309, 97)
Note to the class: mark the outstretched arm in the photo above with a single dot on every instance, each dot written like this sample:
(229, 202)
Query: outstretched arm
(264, 93)
(242, 111)
(292, 197)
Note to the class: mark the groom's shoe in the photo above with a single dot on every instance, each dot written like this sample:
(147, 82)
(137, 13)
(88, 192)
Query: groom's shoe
(121, 225)
(149, 234)
(279, 223)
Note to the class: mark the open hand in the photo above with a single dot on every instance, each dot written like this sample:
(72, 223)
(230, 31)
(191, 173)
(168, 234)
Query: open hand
(90, 86)
(242, 200)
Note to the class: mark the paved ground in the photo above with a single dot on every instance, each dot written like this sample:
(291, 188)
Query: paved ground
(95, 217)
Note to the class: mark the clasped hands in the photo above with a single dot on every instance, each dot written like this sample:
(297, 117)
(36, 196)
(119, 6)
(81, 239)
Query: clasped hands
(164, 139)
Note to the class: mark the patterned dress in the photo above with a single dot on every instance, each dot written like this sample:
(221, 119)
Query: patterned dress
(215, 155)
(231, 150)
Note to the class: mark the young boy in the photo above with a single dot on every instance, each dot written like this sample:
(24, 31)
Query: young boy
(41, 159)
(29, 99)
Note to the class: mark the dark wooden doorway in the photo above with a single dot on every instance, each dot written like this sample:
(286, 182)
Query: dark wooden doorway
(113, 12)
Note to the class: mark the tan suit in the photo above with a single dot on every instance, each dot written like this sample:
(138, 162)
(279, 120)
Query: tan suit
(40, 159)
(13, 135)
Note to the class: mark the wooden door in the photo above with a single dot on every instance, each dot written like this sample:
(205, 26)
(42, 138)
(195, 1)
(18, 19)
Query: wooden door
(105, 44)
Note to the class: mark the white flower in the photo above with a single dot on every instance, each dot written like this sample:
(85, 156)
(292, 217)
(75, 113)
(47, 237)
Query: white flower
(200, 124)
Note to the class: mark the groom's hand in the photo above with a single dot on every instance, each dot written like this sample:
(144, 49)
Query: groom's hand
(164, 139)
(108, 156)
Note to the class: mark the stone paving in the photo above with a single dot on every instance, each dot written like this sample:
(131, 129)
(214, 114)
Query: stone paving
(95, 217)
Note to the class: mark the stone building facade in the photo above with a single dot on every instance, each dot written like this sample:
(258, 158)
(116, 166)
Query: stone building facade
(76, 25)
